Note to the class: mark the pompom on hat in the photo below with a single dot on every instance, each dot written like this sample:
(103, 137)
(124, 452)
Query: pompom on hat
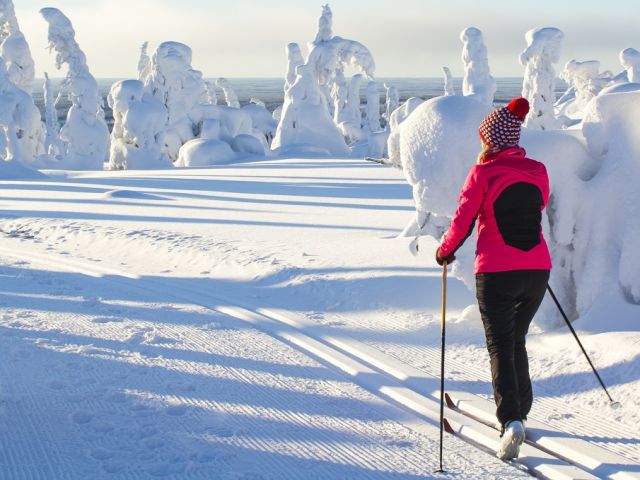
(501, 128)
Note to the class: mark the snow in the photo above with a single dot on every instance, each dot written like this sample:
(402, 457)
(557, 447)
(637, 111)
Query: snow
(260, 316)
(398, 116)
(85, 134)
(14, 48)
(543, 50)
(12, 170)
(294, 60)
(180, 89)
(139, 120)
(229, 94)
(477, 80)
(584, 83)
(392, 101)
(22, 134)
(119, 366)
(448, 81)
(305, 124)
(630, 59)
(373, 107)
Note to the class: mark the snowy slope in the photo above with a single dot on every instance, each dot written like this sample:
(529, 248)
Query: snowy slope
(121, 365)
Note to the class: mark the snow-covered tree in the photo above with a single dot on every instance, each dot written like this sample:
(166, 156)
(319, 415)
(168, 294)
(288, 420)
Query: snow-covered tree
(396, 118)
(329, 54)
(212, 96)
(180, 89)
(448, 82)
(52, 142)
(630, 59)
(229, 93)
(22, 131)
(305, 121)
(144, 63)
(85, 133)
(392, 101)
(477, 77)
(351, 115)
(543, 50)
(294, 60)
(373, 107)
(584, 83)
(139, 120)
(14, 49)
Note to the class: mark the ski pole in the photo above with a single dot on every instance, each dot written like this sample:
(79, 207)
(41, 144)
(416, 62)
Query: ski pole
(444, 310)
(575, 335)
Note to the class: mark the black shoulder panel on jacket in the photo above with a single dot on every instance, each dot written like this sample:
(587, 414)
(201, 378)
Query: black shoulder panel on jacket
(518, 215)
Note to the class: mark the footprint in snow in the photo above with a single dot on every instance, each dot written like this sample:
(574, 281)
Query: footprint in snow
(176, 410)
(101, 454)
(81, 417)
(153, 443)
(56, 385)
(106, 319)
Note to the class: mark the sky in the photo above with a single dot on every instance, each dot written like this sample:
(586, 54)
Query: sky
(408, 38)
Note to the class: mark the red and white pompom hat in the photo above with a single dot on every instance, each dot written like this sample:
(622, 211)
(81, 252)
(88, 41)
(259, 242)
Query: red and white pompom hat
(501, 128)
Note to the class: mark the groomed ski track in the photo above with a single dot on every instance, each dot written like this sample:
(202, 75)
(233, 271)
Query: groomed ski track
(387, 378)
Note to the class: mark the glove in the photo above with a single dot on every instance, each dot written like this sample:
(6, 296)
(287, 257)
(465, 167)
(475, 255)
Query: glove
(440, 259)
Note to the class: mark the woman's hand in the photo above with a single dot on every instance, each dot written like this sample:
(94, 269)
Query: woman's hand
(440, 259)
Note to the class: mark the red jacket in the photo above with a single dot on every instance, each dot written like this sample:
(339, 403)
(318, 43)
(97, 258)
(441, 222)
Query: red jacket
(506, 194)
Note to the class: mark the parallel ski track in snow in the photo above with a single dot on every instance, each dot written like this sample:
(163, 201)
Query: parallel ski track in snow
(626, 445)
(356, 364)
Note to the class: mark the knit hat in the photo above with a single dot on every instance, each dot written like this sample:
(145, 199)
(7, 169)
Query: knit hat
(501, 128)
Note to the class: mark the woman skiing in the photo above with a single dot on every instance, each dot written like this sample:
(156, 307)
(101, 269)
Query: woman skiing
(506, 192)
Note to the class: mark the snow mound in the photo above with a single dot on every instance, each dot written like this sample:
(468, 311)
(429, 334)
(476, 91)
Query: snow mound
(11, 170)
(202, 152)
(133, 194)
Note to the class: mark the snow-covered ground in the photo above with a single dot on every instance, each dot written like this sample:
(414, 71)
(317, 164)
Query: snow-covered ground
(140, 334)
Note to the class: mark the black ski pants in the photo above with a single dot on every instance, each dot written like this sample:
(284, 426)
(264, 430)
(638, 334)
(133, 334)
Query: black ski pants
(508, 301)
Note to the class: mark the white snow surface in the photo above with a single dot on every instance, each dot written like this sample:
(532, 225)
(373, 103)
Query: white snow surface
(125, 354)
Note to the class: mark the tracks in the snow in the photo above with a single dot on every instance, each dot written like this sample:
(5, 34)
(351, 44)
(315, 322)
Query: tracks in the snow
(367, 367)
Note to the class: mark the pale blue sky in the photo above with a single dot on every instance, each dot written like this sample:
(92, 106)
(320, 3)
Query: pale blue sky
(243, 38)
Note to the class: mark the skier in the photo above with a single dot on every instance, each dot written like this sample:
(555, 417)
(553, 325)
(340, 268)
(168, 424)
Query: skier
(506, 192)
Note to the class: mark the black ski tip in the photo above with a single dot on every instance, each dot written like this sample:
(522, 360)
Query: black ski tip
(440, 470)
(447, 426)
